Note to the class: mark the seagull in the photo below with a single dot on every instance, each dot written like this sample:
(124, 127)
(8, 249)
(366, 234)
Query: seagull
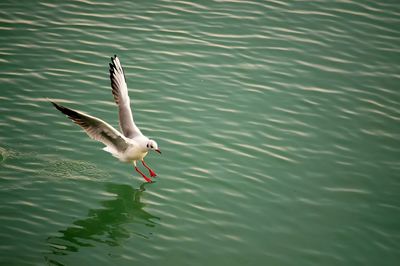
(129, 146)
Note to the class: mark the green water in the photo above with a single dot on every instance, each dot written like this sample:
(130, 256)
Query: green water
(278, 122)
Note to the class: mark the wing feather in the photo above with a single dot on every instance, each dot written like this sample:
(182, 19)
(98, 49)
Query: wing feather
(121, 98)
(95, 128)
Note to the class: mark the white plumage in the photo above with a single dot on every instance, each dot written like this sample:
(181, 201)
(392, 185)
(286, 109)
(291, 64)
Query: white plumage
(130, 145)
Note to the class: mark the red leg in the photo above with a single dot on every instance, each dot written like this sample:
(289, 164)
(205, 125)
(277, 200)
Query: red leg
(145, 177)
(152, 174)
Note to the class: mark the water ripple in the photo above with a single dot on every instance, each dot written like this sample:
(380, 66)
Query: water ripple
(277, 122)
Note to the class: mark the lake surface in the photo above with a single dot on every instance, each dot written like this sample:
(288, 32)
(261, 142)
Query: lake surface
(279, 123)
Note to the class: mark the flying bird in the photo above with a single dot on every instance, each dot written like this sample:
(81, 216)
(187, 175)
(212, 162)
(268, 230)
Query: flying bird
(129, 146)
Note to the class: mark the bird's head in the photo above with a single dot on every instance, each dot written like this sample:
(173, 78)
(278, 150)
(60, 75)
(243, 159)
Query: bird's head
(152, 145)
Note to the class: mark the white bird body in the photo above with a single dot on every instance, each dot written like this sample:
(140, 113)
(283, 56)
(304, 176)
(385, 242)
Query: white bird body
(130, 145)
(135, 151)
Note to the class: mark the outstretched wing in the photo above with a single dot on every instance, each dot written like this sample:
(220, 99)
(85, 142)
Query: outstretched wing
(96, 128)
(121, 97)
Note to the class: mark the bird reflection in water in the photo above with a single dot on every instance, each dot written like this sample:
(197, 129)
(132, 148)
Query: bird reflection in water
(108, 225)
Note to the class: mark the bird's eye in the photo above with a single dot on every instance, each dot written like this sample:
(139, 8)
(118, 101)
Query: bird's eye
(151, 146)
(147, 145)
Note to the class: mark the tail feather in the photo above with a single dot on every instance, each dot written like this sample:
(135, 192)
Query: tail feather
(112, 151)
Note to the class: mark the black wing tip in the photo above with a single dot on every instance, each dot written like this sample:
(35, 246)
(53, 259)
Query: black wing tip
(69, 112)
(112, 65)
(58, 107)
(55, 105)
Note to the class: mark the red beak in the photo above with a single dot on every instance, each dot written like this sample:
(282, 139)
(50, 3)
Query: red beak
(158, 150)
